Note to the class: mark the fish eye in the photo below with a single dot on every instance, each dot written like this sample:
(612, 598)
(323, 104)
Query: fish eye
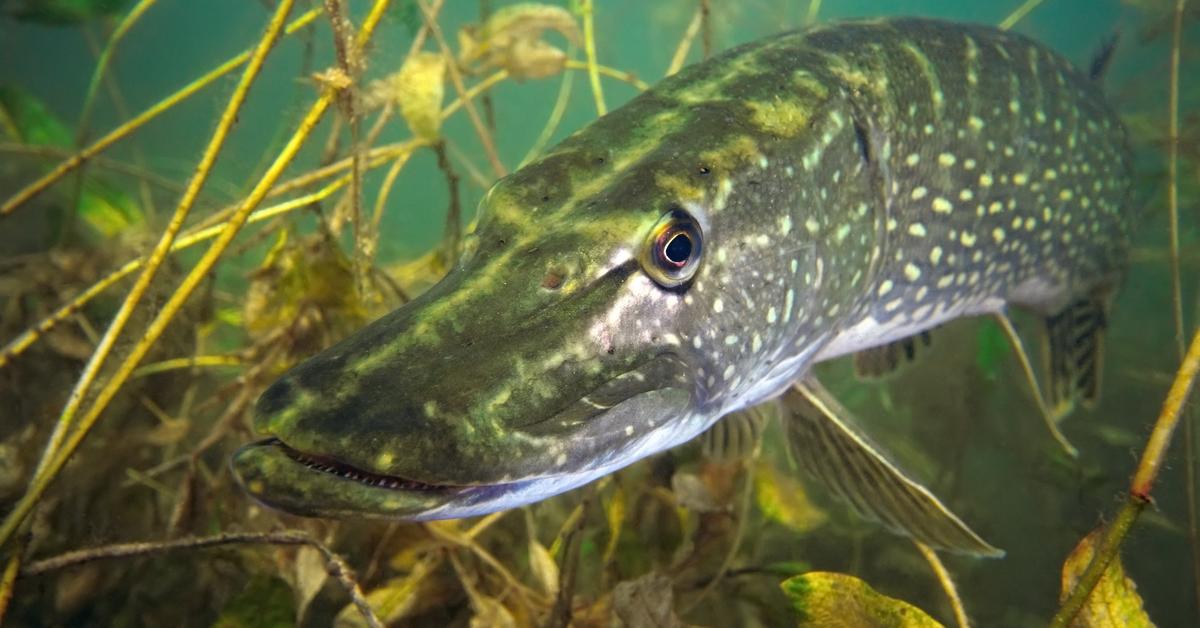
(674, 249)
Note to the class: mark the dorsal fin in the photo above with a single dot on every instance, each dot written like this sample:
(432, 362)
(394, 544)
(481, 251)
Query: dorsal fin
(1103, 57)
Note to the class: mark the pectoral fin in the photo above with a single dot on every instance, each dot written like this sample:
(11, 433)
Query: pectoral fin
(1074, 354)
(823, 441)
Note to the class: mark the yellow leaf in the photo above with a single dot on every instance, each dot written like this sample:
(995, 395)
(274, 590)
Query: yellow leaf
(693, 494)
(394, 599)
(310, 575)
(834, 600)
(1114, 602)
(544, 569)
(511, 39)
(614, 512)
(782, 499)
(490, 613)
(170, 432)
(419, 88)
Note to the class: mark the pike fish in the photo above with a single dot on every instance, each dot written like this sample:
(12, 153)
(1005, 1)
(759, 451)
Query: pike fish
(833, 191)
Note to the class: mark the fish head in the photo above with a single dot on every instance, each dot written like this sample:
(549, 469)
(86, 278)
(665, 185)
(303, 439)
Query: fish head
(548, 357)
(650, 273)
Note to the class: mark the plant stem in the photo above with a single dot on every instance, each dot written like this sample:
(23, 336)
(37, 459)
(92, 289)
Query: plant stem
(485, 136)
(165, 241)
(589, 49)
(337, 565)
(119, 133)
(1140, 488)
(947, 582)
(1019, 14)
(1189, 437)
(198, 273)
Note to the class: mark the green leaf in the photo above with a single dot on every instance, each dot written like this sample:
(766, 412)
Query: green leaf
(27, 120)
(834, 600)
(1115, 602)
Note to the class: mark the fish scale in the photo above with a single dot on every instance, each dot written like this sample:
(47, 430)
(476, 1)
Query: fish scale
(838, 190)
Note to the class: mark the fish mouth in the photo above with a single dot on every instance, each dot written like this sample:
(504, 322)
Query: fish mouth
(612, 424)
(315, 485)
(345, 471)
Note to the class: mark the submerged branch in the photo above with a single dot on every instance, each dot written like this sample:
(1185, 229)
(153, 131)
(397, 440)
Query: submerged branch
(337, 565)
(198, 273)
(123, 131)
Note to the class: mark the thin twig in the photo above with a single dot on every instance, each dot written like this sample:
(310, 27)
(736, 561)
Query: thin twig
(560, 613)
(370, 245)
(89, 99)
(351, 64)
(22, 342)
(8, 583)
(187, 363)
(589, 50)
(336, 564)
(1189, 437)
(452, 232)
(119, 133)
(166, 240)
(1019, 14)
(1140, 488)
(685, 43)
(604, 70)
(468, 542)
(42, 481)
(814, 8)
(104, 163)
(101, 75)
(947, 582)
(556, 115)
(485, 136)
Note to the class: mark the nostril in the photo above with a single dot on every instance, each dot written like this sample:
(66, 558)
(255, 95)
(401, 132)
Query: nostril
(553, 279)
(275, 398)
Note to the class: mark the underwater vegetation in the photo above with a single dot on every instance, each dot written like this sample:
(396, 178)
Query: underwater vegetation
(156, 279)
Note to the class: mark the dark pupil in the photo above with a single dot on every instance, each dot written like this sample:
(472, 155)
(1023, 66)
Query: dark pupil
(678, 249)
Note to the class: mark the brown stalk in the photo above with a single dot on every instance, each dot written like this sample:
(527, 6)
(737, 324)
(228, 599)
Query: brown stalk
(337, 565)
